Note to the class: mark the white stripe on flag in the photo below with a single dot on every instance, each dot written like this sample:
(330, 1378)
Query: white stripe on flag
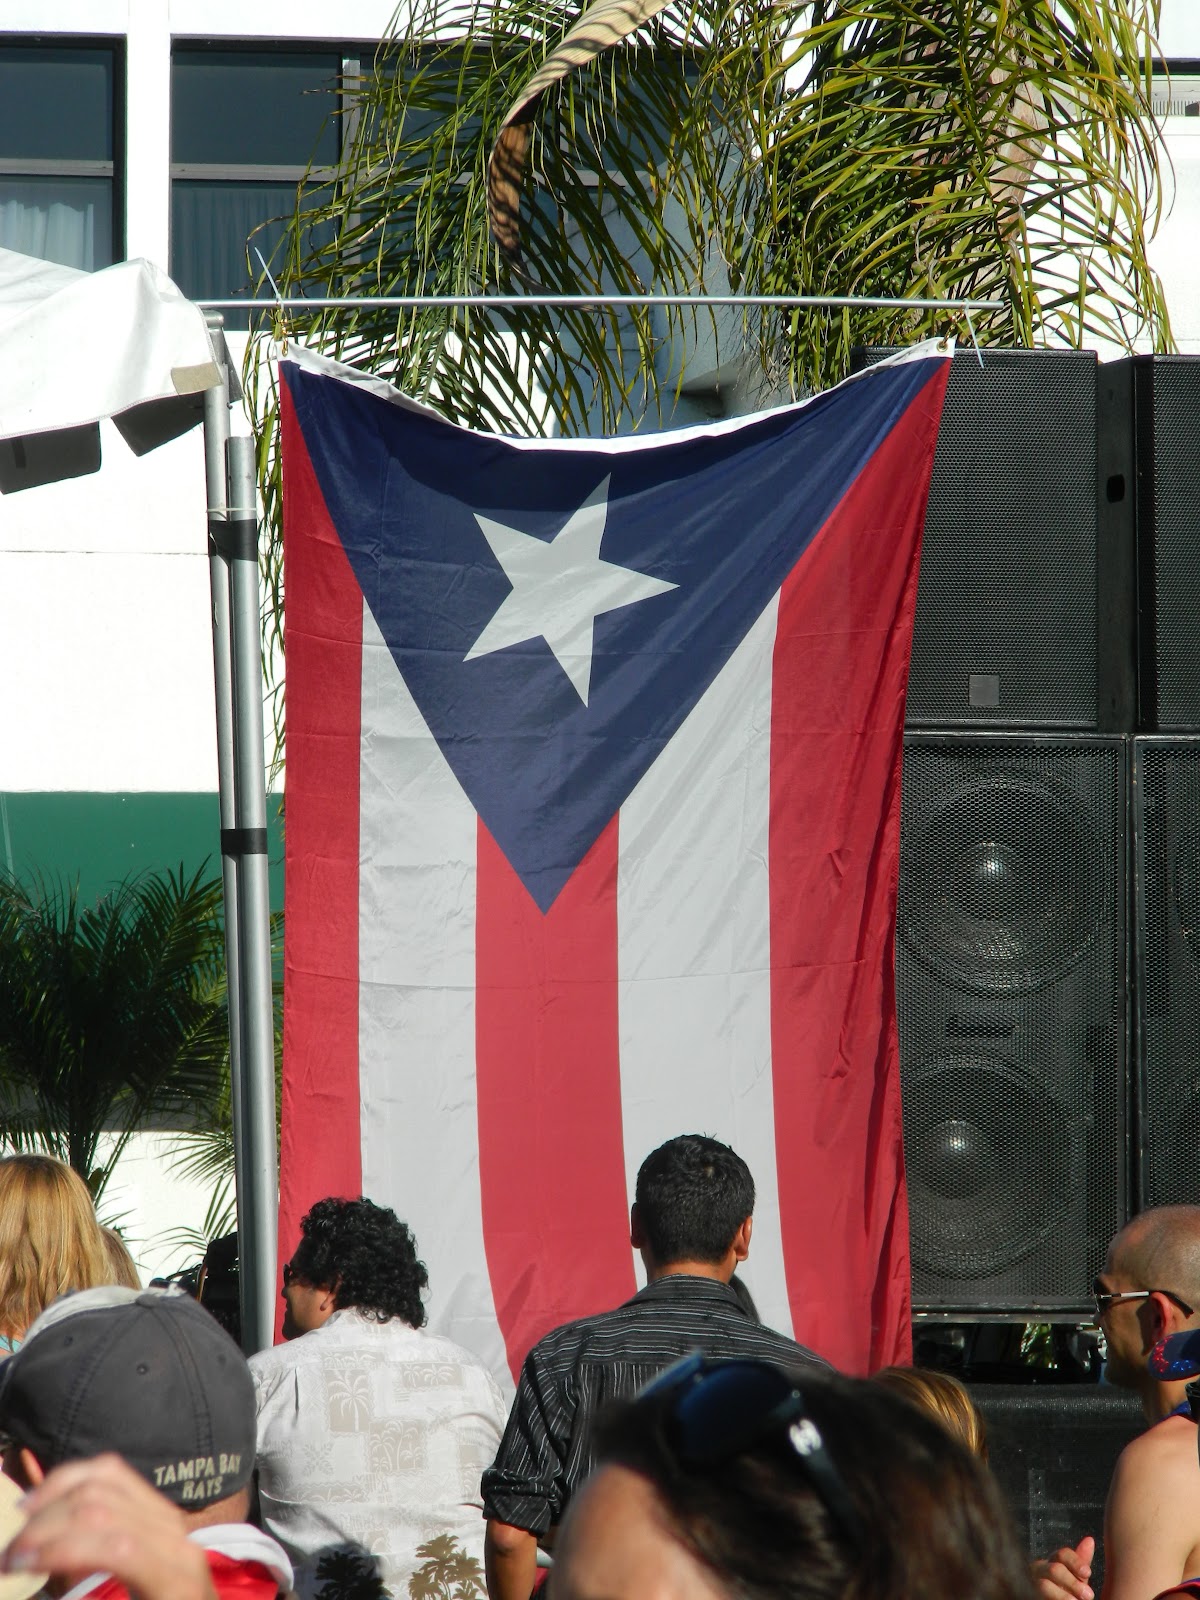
(693, 917)
(417, 851)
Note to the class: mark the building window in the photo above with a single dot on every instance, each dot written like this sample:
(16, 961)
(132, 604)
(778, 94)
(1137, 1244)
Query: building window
(1176, 91)
(245, 124)
(60, 139)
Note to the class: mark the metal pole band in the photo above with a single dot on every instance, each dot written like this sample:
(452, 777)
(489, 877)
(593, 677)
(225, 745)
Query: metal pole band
(243, 841)
(236, 540)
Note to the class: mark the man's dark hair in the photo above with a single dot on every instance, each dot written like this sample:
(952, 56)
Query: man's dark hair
(933, 1521)
(693, 1194)
(366, 1255)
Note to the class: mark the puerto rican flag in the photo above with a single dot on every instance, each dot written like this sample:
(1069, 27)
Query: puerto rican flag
(593, 792)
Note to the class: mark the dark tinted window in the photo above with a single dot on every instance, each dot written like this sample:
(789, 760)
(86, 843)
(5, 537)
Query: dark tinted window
(245, 124)
(233, 108)
(56, 104)
(60, 190)
(215, 230)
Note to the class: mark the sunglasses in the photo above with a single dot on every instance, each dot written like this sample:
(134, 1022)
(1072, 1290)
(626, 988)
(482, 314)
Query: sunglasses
(1107, 1298)
(714, 1410)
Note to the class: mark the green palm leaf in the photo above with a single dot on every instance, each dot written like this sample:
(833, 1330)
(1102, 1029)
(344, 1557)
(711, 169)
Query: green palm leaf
(111, 1014)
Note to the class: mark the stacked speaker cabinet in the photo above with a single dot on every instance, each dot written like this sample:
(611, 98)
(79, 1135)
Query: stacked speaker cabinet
(1166, 788)
(1011, 998)
(1051, 1449)
(1166, 772)
(1011, 932)
(1166, 411)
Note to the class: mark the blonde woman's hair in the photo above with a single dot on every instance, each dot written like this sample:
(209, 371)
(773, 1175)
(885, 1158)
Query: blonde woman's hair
(120, 1262)
(944, 1398)
(50, 1241)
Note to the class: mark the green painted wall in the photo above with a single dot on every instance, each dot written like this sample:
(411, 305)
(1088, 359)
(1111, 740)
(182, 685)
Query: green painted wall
(101, 838)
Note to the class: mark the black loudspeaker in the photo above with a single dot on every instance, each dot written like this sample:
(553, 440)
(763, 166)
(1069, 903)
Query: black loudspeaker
(1166, 407)
(1052, 1449)
(1166, 789)
(1011, 998)
(1024, 607)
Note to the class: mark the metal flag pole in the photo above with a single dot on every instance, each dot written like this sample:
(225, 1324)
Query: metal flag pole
(237, 673)
(216, 436)
(258, 1193)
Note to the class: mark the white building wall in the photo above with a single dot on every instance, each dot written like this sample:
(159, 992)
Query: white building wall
(1179, 30)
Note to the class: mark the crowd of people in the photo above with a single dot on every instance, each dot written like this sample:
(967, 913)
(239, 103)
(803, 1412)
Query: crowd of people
(672, 1448)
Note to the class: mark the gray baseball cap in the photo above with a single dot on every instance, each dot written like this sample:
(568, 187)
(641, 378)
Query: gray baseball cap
(146, 1373)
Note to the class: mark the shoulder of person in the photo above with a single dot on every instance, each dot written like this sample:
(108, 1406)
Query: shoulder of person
(265, 1362)
(441, 1348)
(787, 1351)
(569, 1336)
(272, 1368)
(1166, 1449)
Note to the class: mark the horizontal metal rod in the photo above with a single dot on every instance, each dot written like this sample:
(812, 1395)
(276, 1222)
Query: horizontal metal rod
(516, 302)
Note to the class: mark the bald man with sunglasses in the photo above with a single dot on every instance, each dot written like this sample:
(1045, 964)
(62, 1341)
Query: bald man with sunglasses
(1149, 1288)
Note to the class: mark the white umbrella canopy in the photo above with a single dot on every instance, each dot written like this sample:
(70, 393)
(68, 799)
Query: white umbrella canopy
(76, 347)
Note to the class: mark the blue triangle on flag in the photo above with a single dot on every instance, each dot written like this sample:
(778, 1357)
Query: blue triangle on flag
(722, 517)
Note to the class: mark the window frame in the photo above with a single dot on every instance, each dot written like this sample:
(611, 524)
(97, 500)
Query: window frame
(349, 57)
(115, 170)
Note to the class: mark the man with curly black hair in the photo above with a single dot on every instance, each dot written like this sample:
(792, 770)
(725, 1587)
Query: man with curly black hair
(372, 1431)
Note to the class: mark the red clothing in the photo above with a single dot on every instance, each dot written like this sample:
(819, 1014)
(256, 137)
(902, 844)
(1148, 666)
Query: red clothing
(244, 1562)
(233, 1580)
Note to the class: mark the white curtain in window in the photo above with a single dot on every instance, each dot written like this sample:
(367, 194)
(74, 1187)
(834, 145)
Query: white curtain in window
(59, 231)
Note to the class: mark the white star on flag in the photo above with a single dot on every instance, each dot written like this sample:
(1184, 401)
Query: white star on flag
(559, 588)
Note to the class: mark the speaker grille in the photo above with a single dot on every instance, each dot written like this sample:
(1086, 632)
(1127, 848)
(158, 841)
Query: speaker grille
(1006, 893)
(1167, 843)
(967, 1160)
(1052, 1449)
(1005, 632)
(1011, 1002)
(1168, 405)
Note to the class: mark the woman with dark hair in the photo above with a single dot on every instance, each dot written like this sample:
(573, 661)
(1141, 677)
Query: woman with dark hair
(739, 1479)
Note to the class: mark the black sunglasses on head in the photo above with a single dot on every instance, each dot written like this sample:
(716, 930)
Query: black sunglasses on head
(715, 1410)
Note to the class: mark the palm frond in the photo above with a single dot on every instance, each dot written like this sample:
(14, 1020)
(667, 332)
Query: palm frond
(899, 148)
(110, 1014)
(219, 1219)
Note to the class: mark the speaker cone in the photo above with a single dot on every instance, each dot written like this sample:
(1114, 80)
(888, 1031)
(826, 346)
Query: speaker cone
(1004, 886)
(991, 1163)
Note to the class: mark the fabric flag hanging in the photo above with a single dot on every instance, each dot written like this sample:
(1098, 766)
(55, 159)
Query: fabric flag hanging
(592, 829)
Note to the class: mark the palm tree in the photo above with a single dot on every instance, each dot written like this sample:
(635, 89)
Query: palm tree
(446, 1572)
(994, 149)
(111, 1015)
(350, 1573)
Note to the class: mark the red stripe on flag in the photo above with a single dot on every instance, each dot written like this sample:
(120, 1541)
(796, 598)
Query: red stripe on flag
(548, 1081)
(321, 1143)
(839, 680)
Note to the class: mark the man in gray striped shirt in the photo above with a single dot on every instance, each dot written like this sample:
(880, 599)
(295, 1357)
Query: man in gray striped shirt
(691, 1221)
